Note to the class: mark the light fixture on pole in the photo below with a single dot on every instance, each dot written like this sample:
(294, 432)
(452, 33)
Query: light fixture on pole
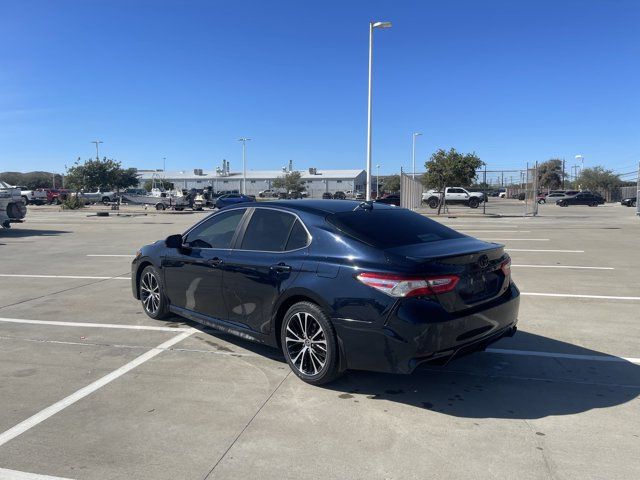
(372, 25)
(413, 155)
(580, 158)
(244, 141)
(97, 142)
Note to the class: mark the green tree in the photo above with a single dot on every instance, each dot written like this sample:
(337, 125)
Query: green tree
(550, 174)
(291, 182)
(391, 183)
(451, 168)
(598, 178)
(32, 180)
(105, 174)
(162, 184)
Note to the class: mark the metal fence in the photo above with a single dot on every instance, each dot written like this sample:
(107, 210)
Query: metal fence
(410, 191)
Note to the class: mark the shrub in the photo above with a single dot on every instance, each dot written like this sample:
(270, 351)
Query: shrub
(72, 202)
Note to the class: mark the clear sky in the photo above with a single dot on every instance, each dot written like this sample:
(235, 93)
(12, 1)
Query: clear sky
(514, 81)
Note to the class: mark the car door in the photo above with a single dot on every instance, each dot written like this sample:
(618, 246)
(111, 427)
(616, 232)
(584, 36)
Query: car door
(582, 199)
(265, 262)
(193, 274)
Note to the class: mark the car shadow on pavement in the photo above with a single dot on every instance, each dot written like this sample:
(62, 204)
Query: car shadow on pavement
(504, 385)
(29, 232)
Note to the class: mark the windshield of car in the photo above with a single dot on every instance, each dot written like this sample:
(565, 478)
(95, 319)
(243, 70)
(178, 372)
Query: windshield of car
(390, 228)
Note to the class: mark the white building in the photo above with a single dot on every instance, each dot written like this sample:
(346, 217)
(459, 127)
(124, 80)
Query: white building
(317, 181)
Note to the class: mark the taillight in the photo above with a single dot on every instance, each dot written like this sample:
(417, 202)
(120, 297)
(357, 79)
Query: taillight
(506, 267)
(406, 286)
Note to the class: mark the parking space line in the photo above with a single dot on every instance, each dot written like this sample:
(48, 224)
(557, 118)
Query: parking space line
(555, 251)
(48, 412)
(562, 266)
(570, 295)
(94, 325)
(520, 239)
(75, 277)
(6, 474)
(593, 358)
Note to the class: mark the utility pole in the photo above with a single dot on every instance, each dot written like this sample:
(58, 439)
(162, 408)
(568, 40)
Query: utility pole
(97, 142)
(244, 141)
(563, 173)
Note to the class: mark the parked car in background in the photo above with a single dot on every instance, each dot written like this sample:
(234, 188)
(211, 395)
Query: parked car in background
(629, 202)
(327, 196)
(97, 197)
(339, 195)
(582, 198)
(12, 206)
(57, 195)
(553, 197)
(390, 200)
(269, 193)
(396, 291)
(232, 199)
(453, 195)
(359, 196)
(33, 197)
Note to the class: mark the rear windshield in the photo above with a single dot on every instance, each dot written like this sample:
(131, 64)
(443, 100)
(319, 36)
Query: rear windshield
(390, 228)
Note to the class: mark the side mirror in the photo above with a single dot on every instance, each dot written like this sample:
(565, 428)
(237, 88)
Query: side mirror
(174, 241)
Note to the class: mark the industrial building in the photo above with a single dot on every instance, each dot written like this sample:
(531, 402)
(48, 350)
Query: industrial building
(317, 181)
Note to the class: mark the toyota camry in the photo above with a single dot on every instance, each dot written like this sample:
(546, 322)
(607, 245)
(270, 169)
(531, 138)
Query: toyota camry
(336, 285)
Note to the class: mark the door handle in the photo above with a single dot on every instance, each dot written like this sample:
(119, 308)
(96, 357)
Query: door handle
(215, 262)
(280, 268)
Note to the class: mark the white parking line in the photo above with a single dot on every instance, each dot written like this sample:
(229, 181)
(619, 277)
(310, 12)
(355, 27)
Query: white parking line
(570, 295)
(556, 251)
(520, 239)
(594, 358)
(562, 266)
(75, 277)
(94, 325)
(43, 415)
(6, 474)
(97, 255)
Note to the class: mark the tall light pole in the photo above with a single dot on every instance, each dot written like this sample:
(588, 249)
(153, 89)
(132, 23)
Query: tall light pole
(164, 164)
(372, 25)
(416, 134)
(378, 181)
(244, 141)
(97, 142)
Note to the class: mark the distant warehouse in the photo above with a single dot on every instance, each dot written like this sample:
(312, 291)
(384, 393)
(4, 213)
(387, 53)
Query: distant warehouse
(316, 180)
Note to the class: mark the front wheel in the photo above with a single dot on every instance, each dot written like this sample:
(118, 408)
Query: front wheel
(160, 206)
(433, 202)
(309, 344)
(152, 296)
(473, 203)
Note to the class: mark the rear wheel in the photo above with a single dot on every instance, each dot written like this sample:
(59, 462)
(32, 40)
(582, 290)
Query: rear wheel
(160, 206)
(152, 295)
(26, 200)
(309, 344)
(106, 200)
(633, 204)
(562, 203)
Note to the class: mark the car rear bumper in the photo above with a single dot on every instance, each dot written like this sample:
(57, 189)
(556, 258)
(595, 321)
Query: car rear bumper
(420, 330)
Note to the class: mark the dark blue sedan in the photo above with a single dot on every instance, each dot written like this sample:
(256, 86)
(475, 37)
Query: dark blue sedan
(232, 199)
(336, 285)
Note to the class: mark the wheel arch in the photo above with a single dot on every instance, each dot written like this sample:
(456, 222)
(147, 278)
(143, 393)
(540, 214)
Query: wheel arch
(143, 264)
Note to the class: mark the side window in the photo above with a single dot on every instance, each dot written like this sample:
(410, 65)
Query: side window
(268, 230)
(216, 232)
(298, 237)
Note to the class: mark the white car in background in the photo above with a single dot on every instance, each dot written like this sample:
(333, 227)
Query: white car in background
(97, 197)
(35, 197)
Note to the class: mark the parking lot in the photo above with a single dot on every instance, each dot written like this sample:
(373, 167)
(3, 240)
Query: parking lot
(93, 389)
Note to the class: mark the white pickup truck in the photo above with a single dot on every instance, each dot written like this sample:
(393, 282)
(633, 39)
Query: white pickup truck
(35, 197)
(453, 195)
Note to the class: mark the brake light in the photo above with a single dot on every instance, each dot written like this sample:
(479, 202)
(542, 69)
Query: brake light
(506, 267)
(406, 286)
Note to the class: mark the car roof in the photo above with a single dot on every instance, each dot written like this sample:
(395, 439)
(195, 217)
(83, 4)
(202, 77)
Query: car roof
(320, 207)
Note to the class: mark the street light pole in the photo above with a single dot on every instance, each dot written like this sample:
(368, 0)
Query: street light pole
(97, 142)
(372, 25)
(416, 134)
(244, 141)
(580, 158)
(164, 164)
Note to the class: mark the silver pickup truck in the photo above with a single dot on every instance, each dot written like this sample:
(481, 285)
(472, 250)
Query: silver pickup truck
(12, 205)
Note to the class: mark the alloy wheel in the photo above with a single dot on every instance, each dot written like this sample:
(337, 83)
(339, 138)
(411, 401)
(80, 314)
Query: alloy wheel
(150, 293)
(306, 343)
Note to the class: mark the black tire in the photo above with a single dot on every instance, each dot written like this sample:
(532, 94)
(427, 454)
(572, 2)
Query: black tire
(160, 206)
(562, 204)
(473, 203)
(296, 341)
(26, 200)
(106, 200)
(433, 202)
(633, 204)
(151, 293)
(541, 201)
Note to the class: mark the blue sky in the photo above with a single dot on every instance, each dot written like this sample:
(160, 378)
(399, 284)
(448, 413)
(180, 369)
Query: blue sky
(514, 81)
